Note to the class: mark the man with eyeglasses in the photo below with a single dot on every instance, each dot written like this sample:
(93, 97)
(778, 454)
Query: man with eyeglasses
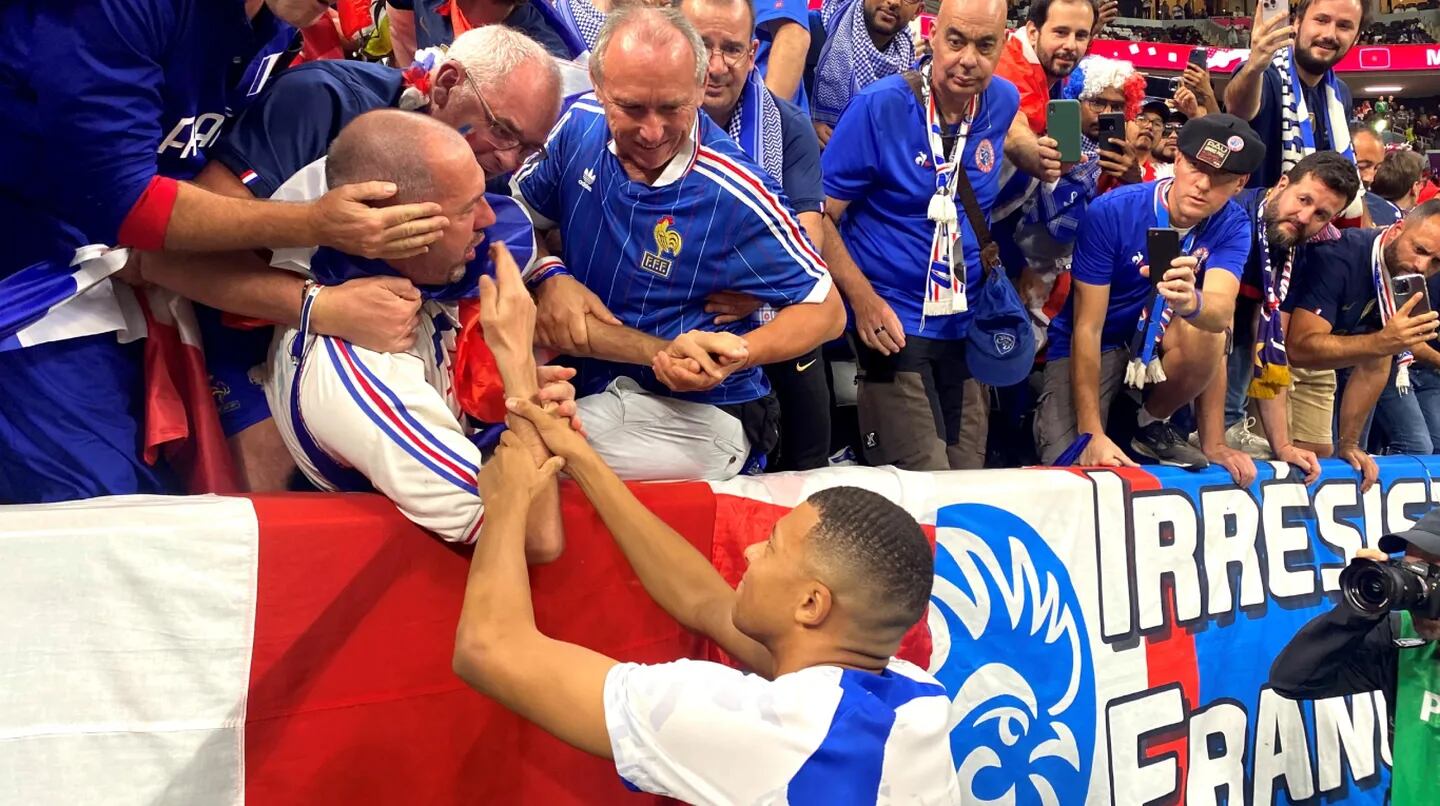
(1154, 127)
(865, 41)
(657, 209)
(502, 108)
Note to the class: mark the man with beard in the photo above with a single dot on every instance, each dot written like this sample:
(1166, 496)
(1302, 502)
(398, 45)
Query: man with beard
(1118, 328)
(777, 136)
(1351, 651)
(1282, 218)
(1055, 38)
(1344, 316)
(1288, 89)
(865, 41)
(1150, 141)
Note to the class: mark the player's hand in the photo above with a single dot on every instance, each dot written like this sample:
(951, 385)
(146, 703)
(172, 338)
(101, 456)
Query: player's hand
(823, 132)
(1237, 463)
(506, 311)
(1109, 10)
(1268, 37)
(877, 325)
(1047, 159)
(699, 360)
(731, 306)
(512, 477)
(1307, 461)
(1404, 331)
(557, 431)
(563, 306)
(342, 220)
(1103, 452)
(377, 313)
(556, 390)
(1363, 463)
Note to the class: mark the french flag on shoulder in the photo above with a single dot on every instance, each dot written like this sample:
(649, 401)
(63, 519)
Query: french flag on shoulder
(248, 176)
(47, 302)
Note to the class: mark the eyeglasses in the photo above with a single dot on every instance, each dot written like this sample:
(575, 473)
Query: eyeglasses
(502, 136)
(1102, 105)
(730, 53)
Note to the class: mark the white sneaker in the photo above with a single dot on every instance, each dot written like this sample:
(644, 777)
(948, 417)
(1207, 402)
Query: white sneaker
(1241, 438)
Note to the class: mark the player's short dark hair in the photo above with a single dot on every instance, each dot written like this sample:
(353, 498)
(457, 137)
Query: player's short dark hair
(1040, 11)
(1332, 169)
(1397, 174)
(1367, 13)
(879, 546)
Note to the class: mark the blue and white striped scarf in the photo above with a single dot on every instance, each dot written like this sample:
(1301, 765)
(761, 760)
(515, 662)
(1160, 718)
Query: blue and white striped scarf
(755, 125)
(1297, 135)
(584, 17)
(849, 61)
(1061, 208)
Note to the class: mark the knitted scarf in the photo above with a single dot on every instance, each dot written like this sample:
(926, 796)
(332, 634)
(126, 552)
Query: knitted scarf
(849, 61)
(755, 125)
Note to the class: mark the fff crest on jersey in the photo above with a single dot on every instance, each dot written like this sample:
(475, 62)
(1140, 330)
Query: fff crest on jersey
(985, 156)
(667, 242)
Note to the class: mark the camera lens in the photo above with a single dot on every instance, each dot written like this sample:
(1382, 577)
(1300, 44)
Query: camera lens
(1369, 587)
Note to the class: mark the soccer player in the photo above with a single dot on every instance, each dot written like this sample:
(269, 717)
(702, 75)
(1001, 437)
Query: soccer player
(826, 715)
(1345, 317)
(109, 107)
(657, 209)
(865, 41)
(777, 136)
(881, 174)
(495, 85)
(1288, 90)
(1114, 331)
(419, 24)
(355, 419)
(1294, 211)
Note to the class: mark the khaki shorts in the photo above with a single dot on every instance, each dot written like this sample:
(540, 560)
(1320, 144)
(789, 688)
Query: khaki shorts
(1311, 405)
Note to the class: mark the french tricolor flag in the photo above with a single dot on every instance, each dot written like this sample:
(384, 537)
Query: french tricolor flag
(47, 302)
(248, 176)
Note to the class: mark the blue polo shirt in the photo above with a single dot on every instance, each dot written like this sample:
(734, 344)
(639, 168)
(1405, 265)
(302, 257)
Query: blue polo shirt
(1111, 249)
(713, 221)
(1335, 281)
(293, 123)
(769, 16)
(1266, 122)
(878, 160)
(802, 159)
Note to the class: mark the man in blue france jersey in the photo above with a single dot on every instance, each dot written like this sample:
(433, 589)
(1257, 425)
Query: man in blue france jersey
(657, 209)
(504, 105)
(1344, 316)
(110, 106)
(1297, 209)
(827, 715)
(881, 180)
(1099, 342)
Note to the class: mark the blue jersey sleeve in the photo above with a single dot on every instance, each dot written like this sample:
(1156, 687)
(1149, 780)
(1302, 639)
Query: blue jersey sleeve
(1230, 245)
(288, 127)
(771, 14)
(1095, 247)
(849, 160)
(537, 183)
(777, 263)
(802, 160)
(101, 76)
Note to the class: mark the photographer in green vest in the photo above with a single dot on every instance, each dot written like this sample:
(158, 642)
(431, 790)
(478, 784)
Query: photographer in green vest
(1385, 634)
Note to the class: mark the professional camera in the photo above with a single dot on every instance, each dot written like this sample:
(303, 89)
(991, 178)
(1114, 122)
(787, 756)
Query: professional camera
(1372, 587)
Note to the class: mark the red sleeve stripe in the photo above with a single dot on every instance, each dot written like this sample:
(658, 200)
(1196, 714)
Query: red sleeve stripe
(145, 226)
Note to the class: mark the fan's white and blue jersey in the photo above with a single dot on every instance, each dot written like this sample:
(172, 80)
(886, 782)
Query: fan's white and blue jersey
(709, 734)
(713, 221)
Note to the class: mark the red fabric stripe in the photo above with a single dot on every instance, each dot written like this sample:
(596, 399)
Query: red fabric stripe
(786, 219)
(145, 225)
(352, 699)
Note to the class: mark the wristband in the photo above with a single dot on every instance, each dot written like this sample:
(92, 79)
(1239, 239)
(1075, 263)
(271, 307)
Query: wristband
(1199, 305)
(307, 306)
(544, 270)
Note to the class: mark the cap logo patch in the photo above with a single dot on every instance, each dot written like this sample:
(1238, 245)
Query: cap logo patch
(1235, 143)
(1212, 153)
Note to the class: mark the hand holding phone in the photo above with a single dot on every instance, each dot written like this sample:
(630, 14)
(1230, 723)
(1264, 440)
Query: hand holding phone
(1112, 126)
(1062, 123)
(1407, 286)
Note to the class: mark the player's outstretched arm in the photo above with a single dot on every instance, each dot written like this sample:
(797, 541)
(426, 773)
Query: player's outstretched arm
(680, 579)
(498, 649)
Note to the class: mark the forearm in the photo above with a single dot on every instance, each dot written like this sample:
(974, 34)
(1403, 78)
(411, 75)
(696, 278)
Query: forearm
(402, 34)
(1242, 94)
(677, 576)
(545, 535)
(248, 223)
(796, 330)
(1328, 351)
(1085, 382)
(240, 283)
(619, 343)
(1210, 411)
(786, 66)
(497, 590)
(847, 276)
(1274, 419)
(1022, 148)
(1362, 393)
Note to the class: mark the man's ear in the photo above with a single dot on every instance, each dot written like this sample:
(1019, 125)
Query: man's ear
(816, 605)
(447, 78)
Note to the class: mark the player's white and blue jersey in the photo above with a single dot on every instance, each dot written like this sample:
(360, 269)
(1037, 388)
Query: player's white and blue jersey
(713, 221)
(709, 734)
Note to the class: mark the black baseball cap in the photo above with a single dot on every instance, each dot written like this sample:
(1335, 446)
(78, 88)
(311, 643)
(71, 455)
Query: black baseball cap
(1151, 103)
(1424, 535)
(1224, 142)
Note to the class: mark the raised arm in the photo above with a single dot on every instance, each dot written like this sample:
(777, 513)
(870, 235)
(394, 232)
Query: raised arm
(1313, 345)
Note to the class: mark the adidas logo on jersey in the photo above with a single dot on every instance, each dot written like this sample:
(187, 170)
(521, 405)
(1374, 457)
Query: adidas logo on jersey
(587, 179)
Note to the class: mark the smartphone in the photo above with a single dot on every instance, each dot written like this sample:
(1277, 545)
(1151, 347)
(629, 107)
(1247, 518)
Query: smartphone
(1406, 286)
(1062, 122)
(1112, 125)
(1434, 157)
(1270, 9)
(1162, 246)
(1200, 57)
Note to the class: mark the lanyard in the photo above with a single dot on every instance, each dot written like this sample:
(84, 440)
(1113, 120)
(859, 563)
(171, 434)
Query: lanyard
(1162, 219)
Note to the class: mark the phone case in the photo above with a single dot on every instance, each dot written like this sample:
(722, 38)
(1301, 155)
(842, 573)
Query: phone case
(1062, 122)
(1162, 247)
(1112, 125)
